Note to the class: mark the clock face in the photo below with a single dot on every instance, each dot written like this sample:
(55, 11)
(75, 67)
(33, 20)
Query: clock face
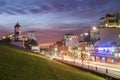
(17, 29)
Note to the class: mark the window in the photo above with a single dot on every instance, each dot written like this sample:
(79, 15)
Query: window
(112, 21)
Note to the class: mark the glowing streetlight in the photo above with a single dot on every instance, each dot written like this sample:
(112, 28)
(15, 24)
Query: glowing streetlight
(94, 28)
(106, 25)
(62, 55)
(70, 39)
(4, 37)
(81, 35)
(86, 34)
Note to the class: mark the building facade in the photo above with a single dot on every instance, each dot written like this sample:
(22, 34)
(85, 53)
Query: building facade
(111, 20)
(71, 41)
(31, 35)
(102, 43)
(107, 48)
(108, 37)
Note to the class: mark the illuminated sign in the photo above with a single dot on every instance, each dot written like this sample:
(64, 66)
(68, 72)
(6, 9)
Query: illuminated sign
(105, 50)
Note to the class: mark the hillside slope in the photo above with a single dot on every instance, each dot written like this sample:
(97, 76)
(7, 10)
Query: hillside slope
(16, 64)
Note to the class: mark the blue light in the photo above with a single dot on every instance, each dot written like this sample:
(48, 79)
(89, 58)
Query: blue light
(103, 50)
(113, 51)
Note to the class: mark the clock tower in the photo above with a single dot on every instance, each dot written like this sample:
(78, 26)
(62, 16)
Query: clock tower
(17, 32)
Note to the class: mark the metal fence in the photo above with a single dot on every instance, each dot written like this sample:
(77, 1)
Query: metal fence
(100, 69)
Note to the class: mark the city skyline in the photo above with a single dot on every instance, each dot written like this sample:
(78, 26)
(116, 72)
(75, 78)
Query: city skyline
(51, 18)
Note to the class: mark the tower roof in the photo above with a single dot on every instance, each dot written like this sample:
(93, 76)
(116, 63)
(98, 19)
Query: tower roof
(17, 25)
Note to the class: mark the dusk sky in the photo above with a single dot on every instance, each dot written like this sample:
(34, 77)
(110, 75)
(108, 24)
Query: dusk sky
(52, 18)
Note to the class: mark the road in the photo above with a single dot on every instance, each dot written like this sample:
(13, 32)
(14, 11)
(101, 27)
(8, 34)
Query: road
(112, 70)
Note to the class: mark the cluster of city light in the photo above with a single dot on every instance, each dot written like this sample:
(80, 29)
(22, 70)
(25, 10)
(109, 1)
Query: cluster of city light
(86, 33)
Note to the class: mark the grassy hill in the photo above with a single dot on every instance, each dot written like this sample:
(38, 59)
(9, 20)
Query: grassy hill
(17, 64)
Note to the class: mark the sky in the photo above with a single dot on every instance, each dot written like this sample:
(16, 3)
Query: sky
(53, 18)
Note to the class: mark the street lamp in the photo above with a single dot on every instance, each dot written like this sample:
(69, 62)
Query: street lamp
(81, 35)
(94, 28)
(86, 34)
(55, 51)
(106, 25)
(62, 55)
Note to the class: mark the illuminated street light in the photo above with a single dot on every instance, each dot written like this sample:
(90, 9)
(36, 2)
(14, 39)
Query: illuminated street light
(4, 37)
(94, 27)
(119, 35)
(81, 35)
(62, 55)
(106, 25)
(70, 39)
(86, 34)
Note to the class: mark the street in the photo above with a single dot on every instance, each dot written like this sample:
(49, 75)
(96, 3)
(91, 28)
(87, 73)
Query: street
(112, 70)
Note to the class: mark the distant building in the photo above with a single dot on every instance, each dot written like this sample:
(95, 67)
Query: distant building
(18, 39)
(8, 36)
(71, 41)
(31, 35)
(107, 48)
(35, 49)
(94, 34)
(111, 20)
(109, 30)
(108, 37)
(17, 32)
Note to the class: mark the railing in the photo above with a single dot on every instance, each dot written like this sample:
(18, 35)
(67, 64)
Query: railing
(113, 72)
(100, 69)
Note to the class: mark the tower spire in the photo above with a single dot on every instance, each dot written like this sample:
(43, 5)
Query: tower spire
(17, 25)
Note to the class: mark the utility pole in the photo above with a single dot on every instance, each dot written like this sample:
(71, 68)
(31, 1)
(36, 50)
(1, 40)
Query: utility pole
(83, 49)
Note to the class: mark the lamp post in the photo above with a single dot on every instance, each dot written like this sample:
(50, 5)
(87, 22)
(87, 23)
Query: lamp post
(55, 51)
(83, 51)
(94, 37)
(63, 49)
(84, 43)
(86, 34)
(62, 55)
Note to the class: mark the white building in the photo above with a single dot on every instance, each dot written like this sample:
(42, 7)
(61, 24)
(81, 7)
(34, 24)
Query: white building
(107, 46)
(71, 41)
(31, 35)
(108, 37)
(111, 20)
(35, 49)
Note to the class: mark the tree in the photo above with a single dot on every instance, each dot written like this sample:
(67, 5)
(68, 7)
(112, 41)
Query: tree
(31, 42)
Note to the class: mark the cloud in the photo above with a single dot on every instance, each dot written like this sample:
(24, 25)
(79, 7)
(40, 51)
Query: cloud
(48, 35)
(2, 3)
(35, 11)
(78, 7)
(53, 18)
